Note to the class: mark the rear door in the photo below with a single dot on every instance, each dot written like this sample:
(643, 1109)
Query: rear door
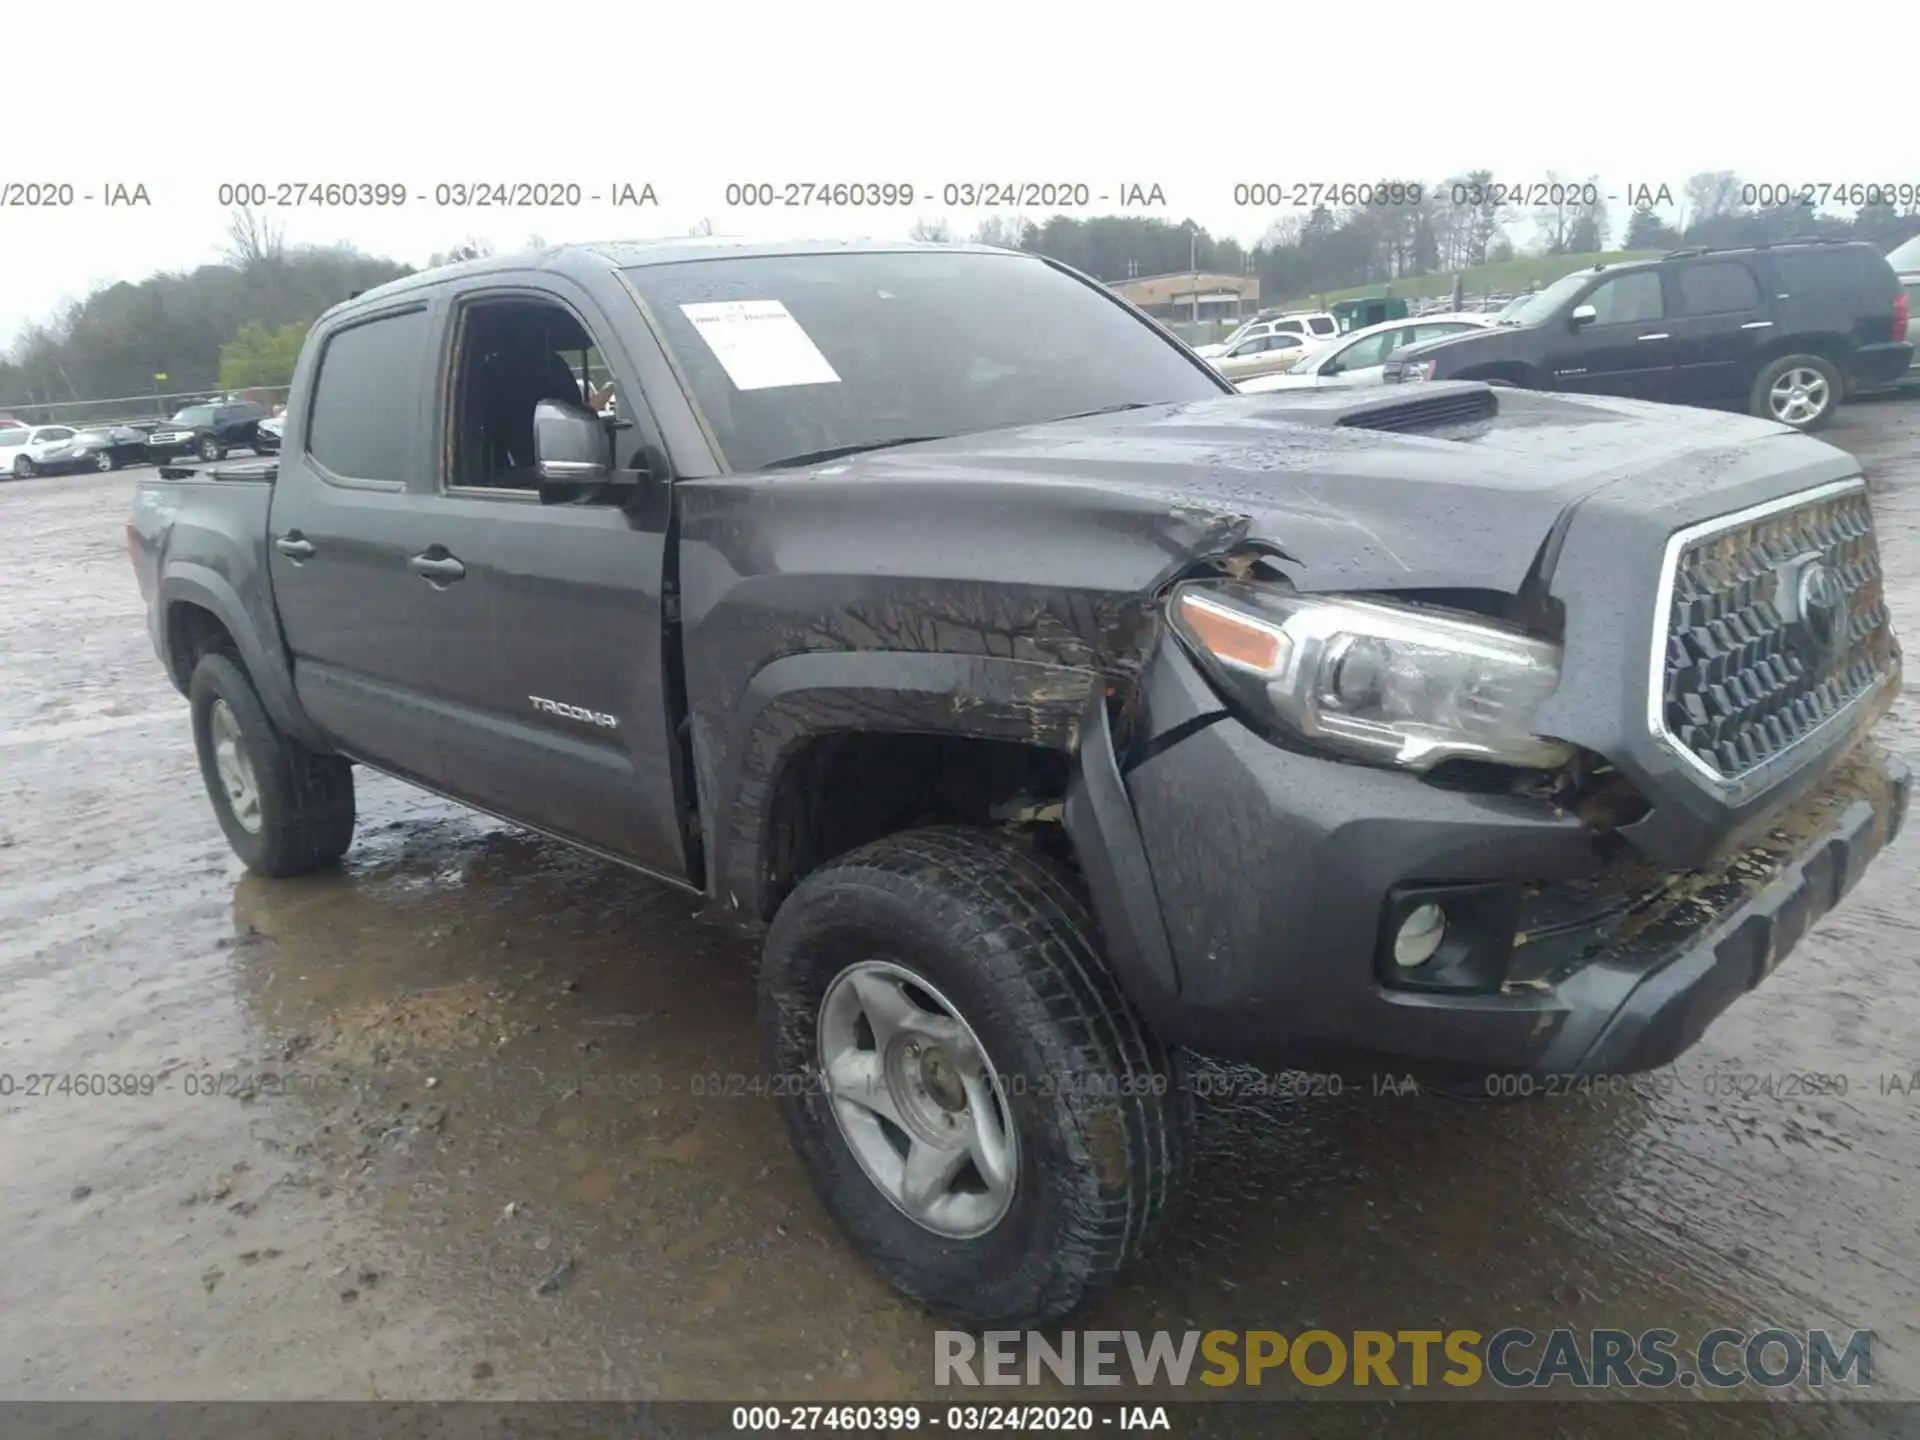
(1627, 349)
(1719, 324)
(355, 470)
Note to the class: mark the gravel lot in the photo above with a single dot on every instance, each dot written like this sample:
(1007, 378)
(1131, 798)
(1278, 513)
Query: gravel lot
(461, 1138)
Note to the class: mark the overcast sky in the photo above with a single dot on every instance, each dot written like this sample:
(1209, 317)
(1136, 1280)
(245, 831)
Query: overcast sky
(602, 95)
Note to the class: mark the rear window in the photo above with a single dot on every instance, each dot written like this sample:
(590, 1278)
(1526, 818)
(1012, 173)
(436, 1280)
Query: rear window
(1906, 258)
(1322, 325)
(361, 418)
(1840, 270)
(13, 435)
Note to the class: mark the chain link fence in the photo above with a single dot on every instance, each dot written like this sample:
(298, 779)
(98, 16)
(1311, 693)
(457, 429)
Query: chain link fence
(140, 412)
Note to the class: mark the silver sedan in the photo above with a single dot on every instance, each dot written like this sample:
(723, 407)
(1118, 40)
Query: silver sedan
(1356, 358)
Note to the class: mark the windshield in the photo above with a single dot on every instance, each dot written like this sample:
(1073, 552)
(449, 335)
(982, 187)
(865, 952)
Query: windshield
(194, 415)
(1541, 305)
(793, 355)
(1907, 257)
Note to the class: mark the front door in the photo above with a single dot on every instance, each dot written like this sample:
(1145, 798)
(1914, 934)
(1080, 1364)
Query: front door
(1626, 349)
(557, 711)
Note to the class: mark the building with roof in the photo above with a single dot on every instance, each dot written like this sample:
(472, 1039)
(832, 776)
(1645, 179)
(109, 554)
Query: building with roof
(1192, 295)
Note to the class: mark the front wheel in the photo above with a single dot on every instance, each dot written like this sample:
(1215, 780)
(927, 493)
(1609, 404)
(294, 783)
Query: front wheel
(104, 461)
(1798, 390)
(212, 450)
(979, 1107)
(285, 809)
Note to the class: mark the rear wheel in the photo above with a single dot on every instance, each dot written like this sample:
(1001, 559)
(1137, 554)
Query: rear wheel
(285, 809)
(22, 468)
(1798, 390)
(979, 1107)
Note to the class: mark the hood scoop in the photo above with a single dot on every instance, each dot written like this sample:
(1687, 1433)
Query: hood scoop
(1459, 404)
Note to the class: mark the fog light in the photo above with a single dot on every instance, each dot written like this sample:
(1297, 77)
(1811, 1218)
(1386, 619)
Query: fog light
(1420, 936)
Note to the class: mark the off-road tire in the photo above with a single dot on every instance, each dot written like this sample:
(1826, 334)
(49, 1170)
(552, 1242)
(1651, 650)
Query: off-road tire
(1103, 1124)
(1758, 402)
(306, 799)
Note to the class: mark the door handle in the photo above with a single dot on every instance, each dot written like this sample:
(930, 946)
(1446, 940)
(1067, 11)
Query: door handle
(441, 569)
(294, 547)
(1657, 335)
(1758, 325)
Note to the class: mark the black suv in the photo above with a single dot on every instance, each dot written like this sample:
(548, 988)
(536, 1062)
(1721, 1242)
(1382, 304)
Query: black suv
(1786, 331)
(210, 431)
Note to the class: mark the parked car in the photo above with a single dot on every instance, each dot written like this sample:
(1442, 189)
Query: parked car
(1309, 325)
(27, 450)
(1052, 710)
(106, 447)
(210, 431)
(1359, 357)
(1266, 354)
(1784, 331)
(271, 432)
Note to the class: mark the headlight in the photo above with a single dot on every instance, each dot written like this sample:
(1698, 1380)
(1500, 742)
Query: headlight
(1385, 683)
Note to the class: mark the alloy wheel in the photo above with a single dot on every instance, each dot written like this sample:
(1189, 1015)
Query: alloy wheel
(918, 1100)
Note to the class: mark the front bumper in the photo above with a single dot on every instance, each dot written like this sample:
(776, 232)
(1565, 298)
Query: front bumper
(1271, 872)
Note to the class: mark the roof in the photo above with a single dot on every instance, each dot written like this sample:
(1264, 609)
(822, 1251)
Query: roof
(670, 250)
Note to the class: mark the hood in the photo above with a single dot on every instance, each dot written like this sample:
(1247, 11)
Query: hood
(1331, 478)
(1489, 341)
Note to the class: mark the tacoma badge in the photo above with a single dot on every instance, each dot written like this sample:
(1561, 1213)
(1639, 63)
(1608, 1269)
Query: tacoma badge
(575, 712)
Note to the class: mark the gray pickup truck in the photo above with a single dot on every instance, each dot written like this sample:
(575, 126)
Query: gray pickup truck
(1054, 712)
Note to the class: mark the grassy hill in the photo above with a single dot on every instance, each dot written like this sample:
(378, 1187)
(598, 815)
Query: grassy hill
(1505, 278)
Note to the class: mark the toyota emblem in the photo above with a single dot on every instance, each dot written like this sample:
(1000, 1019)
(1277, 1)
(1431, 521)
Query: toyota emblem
(1820, 604)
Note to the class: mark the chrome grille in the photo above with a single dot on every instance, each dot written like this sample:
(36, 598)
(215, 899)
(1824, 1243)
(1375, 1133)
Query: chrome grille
(1776, 623)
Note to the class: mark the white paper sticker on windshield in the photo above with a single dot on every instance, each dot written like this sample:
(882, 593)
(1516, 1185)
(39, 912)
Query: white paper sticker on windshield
(759, 345)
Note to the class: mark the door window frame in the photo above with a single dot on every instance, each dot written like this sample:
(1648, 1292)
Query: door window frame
(636, 430)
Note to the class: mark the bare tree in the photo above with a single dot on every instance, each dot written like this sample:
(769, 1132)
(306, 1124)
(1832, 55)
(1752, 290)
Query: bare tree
(702, 230)
(252, 239)
(931, 230)
(1284, 232)
(1005, 231)
(474, 247)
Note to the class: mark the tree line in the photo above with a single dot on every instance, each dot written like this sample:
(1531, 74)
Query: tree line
(239, 322)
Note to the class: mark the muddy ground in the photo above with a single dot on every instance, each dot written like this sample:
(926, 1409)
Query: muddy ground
(444, 1124)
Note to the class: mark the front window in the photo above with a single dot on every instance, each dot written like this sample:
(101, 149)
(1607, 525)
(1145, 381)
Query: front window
(798, 355)
(1628, 299)
(1543, 305)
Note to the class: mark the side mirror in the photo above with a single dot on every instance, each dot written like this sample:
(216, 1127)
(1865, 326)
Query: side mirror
(1332, 367)
(1582, 315)
(570, 444)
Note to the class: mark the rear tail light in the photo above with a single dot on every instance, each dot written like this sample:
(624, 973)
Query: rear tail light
(1900, 316)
